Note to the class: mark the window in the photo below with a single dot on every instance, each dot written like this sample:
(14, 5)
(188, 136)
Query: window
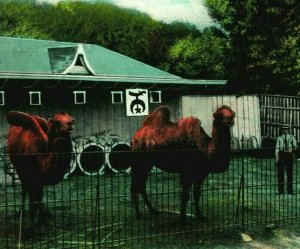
(117, 97)
(35, 98)
(79, 66)
(155, 96)
(79, 97)
(2, 99)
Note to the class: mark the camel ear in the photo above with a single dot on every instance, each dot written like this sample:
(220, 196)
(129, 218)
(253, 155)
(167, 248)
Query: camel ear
(215, 115)
(53, 123)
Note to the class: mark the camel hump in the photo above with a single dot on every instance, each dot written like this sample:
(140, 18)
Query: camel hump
(42, 122)
(20, 119)
(189, 122)
(26, 121)
(159, 116)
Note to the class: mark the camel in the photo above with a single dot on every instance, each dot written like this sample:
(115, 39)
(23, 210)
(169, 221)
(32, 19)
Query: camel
(40, 151)
(181, 147)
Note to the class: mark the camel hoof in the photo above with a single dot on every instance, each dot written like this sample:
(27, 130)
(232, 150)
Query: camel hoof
(182, 220)
(29, 233)
(47, 214)
(154, 211)
(44, 217)
(201, 218)
(138, 216)
(43, 222)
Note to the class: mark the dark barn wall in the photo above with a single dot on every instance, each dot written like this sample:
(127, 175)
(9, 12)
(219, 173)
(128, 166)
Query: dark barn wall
(97, 116)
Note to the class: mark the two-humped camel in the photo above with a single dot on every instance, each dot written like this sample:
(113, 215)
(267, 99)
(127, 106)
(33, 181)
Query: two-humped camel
(181, 147)
(40, 151)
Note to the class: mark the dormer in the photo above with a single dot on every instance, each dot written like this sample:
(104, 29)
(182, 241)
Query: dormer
(70, 60)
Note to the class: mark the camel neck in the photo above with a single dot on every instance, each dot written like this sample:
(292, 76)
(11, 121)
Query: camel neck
(54, 137)
(219, 152)
(221, 136)
(59, 148)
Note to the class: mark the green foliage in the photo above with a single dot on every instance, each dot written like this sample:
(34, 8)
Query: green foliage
(16, 19)
(201, 57)
(263, 36)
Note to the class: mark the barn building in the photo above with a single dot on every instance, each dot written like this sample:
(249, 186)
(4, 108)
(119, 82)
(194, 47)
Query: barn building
(89, 81)
(107, 93)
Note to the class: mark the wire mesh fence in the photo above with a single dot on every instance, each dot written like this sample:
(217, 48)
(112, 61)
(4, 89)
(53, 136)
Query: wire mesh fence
(92, 208)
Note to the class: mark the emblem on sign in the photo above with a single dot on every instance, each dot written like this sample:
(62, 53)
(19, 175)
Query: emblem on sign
(137, 102)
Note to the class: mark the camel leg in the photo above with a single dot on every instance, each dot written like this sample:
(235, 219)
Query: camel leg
(23, 194)
(43, 213)
(197, 189)
(135, 191)
(186, 184)
(138, 186)
(34, 193)
(152, 209)
(33, 208)
(135, 202)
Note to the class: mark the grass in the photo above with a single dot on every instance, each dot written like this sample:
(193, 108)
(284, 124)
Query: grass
(89, 212)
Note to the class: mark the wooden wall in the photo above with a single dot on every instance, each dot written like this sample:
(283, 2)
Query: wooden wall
(97, 116)
(278, 110)
(257, 116)
(247, 121)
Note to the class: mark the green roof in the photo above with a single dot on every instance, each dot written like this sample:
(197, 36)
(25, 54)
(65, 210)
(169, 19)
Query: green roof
(43, 59)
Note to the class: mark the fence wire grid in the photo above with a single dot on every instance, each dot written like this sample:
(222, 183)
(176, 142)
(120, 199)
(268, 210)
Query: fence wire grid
(91, 207)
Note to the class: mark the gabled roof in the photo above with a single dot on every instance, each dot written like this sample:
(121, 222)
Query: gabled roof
(43, 59)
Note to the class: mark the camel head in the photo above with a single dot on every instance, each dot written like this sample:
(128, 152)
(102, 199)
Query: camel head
(62, 122)
(224, 116)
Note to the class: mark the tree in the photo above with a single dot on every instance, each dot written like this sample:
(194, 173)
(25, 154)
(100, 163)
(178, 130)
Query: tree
(263, 35)
(201, 57)
(16, 19)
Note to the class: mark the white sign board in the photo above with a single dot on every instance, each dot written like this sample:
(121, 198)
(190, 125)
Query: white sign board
(137, 103)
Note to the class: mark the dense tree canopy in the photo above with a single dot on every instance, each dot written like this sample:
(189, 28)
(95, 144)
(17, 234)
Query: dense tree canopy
(200, 57)
(264, 39)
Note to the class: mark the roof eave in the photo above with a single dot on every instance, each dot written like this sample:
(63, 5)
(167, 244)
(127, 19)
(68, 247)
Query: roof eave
(110, 78)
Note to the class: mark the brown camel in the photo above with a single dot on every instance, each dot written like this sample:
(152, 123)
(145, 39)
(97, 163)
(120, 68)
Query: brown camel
(40, 151)
(181, 147)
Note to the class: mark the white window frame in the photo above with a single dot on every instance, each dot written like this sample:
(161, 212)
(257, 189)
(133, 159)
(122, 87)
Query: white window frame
(2, 98)
(113, 93)
(151, 97)
(31, 98)
(76, 93)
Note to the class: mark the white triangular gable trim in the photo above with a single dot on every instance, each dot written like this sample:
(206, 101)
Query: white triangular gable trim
(87, 66)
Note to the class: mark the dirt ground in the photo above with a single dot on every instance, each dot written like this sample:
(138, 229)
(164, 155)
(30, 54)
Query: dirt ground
(274, 238)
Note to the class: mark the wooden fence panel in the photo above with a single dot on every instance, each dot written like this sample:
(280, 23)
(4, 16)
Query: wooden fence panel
(278, 110)
(247, 122)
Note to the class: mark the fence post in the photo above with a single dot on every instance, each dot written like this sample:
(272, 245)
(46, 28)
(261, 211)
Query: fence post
(241, 190)
(243, 182)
